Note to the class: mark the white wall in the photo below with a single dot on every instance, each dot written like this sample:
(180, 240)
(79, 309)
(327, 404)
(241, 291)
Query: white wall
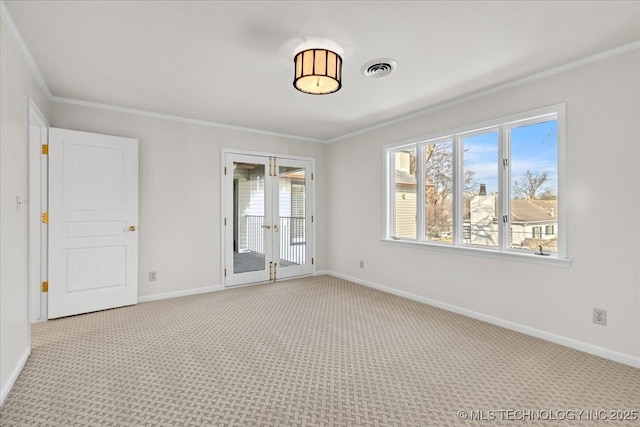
(180, 209)
(603, 107)
(16, 86)
(179, 221)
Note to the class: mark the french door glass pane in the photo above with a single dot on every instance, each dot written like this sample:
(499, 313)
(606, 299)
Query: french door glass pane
(480, 195)
(438, 171)
(534, 187)
(292, 198)
(249, 213)
(404, 194)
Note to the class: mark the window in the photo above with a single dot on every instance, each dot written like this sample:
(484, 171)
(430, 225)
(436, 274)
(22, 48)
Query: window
(549, 230)
(466, 233)
(404, 193)
(536, 232)
(438, 182)
(480, 153)
(493, 186)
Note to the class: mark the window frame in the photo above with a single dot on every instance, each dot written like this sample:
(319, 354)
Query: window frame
(502, 125)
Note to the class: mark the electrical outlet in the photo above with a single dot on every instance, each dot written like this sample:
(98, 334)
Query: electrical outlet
(362, 264)
(600, 316)
(153, 276)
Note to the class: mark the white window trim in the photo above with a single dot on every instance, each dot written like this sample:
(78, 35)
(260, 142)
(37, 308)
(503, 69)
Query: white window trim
(528, 117)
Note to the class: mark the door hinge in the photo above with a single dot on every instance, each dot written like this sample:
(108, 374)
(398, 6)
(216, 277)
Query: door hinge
(311, 218)
(273, 171)
(45, 286)
(225, 221)
(45, 149)
(225, 170)
(45, 218)
(225, 272)
(311, 261)
(311, 176)
(505, 162)
(505, 218)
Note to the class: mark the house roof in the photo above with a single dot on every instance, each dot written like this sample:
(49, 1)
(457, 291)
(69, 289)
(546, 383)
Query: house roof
(529, 210)
(404, 178)
(523, 210)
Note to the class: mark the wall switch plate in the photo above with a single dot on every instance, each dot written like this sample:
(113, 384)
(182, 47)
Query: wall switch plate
(153, 276)
(600, 316)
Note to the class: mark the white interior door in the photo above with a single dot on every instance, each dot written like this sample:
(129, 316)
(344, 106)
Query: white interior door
(267, 218)
(93, 215)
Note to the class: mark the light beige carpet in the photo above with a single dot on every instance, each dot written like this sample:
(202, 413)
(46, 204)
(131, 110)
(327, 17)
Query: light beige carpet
(314, 351)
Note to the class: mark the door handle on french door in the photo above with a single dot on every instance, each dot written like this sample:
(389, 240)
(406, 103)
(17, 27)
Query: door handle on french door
(275, 227)
(132, 228)
(266, 226)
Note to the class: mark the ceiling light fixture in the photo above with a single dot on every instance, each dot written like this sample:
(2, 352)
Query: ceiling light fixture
(318, 71)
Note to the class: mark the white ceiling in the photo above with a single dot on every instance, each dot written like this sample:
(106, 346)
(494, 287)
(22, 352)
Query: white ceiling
(231, 62)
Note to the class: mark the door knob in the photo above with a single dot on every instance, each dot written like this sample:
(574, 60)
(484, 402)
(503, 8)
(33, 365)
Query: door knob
(266, 226)
(132, 228)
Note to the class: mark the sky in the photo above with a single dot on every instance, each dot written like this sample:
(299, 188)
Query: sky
(533, 147)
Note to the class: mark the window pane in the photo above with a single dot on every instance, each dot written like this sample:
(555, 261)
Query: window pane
(404, 194)
(292, 223)
(248, 217)
(438, 174)
(480, 196)
(534, 186)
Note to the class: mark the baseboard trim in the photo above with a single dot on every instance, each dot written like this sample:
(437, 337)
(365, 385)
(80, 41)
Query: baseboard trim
(14, 376)
(174, 294)
(204, 290)
(557, 339)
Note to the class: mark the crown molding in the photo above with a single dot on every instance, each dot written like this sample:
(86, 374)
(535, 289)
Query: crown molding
(181, 119)
(33, 67)
(35, 71)
(23, 48)
(499, 88)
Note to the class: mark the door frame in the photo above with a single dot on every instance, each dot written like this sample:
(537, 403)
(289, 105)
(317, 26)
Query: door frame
(38, 194)
(223, 200)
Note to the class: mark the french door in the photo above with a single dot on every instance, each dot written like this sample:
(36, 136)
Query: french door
(268, 218)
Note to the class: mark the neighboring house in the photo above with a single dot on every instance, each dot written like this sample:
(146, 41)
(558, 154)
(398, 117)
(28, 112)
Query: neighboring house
(534, 223)
(405, 198)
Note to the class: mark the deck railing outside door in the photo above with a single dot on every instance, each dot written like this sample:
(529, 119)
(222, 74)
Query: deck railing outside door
(292, 237)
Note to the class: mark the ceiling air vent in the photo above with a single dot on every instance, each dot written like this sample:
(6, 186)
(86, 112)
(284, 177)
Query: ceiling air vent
(379, 68)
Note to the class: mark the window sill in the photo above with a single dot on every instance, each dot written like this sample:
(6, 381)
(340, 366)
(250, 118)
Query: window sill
(467, 250)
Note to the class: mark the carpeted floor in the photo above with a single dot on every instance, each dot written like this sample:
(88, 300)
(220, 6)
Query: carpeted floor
(307, 352)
